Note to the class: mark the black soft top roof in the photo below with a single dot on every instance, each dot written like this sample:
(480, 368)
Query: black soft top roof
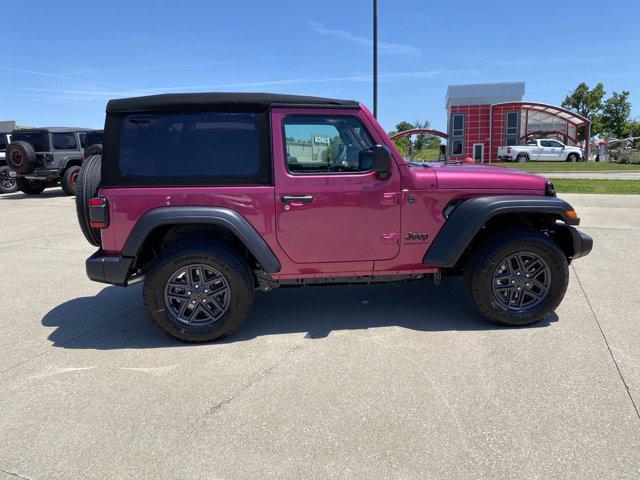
(51, 129)
(218, 100)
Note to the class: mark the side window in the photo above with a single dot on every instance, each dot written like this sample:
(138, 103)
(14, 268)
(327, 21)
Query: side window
(457, 147)
(545, 143)
(458, 124)
(323, 144)
(512, 123)
(203, 148)
(457, 134)
(555, 144)
(64, 141)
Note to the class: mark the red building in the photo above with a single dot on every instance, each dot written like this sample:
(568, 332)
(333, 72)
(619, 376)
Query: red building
(483, 117)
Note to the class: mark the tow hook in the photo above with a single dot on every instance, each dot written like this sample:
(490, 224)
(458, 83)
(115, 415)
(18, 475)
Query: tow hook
(437, 277)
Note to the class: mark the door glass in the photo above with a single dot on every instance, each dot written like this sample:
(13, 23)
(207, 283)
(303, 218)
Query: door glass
(322, 144)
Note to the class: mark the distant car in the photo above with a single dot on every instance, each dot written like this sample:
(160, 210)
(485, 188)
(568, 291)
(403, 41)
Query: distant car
(39, 157)
(7, 182)
(541, 150)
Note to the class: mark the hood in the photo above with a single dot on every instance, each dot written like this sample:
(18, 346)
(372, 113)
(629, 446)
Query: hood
(456, 176)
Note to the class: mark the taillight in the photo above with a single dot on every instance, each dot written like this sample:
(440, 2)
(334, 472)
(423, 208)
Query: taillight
(98, 212)
(508, 150)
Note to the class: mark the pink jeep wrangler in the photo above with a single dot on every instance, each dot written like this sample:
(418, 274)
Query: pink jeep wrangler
(208, 197)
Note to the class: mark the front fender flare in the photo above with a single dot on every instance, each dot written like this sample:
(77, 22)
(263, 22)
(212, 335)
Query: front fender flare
(468, 218)
(223, 217)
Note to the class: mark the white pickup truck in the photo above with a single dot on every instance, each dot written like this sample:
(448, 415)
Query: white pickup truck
(541, 150)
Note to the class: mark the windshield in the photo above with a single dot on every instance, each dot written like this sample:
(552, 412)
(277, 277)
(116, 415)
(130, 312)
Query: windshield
(39, 140)
(4, 141)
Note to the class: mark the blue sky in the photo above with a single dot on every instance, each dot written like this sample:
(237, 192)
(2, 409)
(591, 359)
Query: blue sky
(65, 59)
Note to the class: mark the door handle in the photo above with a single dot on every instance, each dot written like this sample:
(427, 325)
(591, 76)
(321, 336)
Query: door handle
(297, 198)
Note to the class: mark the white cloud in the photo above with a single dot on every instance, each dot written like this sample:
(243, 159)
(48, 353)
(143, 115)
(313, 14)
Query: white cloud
(33, 72)
(96, 91)
(383, 47)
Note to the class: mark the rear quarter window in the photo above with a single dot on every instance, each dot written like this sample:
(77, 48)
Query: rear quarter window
(199, 145)
(64, 141)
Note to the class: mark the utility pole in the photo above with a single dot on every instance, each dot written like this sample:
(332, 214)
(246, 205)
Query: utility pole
(375, 58)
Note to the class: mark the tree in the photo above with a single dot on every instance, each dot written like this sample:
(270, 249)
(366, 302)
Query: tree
(588, 103)
(421, 139)
(616, 114)
(402, 144)
(632, 129)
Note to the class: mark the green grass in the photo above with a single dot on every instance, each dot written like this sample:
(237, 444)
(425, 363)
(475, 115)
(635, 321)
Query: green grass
(570, 185)
(568, 166)
(427, 155)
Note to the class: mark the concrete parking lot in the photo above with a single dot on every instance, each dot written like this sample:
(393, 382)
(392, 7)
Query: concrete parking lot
(383, 381)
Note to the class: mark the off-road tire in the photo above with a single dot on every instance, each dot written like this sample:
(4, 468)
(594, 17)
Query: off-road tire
(480, 268)
(87, 187)
(7, 183)
(70, 179)
(95, 149)
(573, 157)
(30, 187)
(202, 252)
(522, 159)
(21, 157)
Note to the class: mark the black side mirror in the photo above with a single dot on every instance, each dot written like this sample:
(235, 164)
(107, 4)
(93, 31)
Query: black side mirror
(381, 161)
(378, 159)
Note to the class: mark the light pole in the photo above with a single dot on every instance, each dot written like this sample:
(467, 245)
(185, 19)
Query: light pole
(375, 58)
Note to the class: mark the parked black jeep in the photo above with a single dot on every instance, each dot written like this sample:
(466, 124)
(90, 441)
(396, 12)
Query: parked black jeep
(7, 182)
(40, 157)
(93, 143)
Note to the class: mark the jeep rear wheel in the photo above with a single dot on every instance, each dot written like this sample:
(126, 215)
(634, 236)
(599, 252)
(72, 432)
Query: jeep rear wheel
(70, 179)
(30, 187)
(7, 182)
(198, 291)
(517, 277)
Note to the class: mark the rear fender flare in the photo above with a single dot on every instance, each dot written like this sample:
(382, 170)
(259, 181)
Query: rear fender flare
(223, 217)
(65, 162)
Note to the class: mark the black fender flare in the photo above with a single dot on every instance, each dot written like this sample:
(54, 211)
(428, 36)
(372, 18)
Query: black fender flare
(63, 164)
(469, 216)
(223, 217)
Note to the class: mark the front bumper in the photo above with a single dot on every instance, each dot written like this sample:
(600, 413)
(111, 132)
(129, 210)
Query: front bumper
(580, 245)
(111, 270)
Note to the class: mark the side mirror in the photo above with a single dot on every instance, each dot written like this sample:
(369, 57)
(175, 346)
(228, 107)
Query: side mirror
(378, 159)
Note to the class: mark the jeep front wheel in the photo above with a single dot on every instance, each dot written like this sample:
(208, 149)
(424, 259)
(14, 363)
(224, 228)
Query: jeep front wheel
(30, 187)
(517, 277)
(198, 291)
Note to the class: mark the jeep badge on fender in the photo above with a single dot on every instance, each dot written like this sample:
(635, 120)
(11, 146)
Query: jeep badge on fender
(423, 237)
